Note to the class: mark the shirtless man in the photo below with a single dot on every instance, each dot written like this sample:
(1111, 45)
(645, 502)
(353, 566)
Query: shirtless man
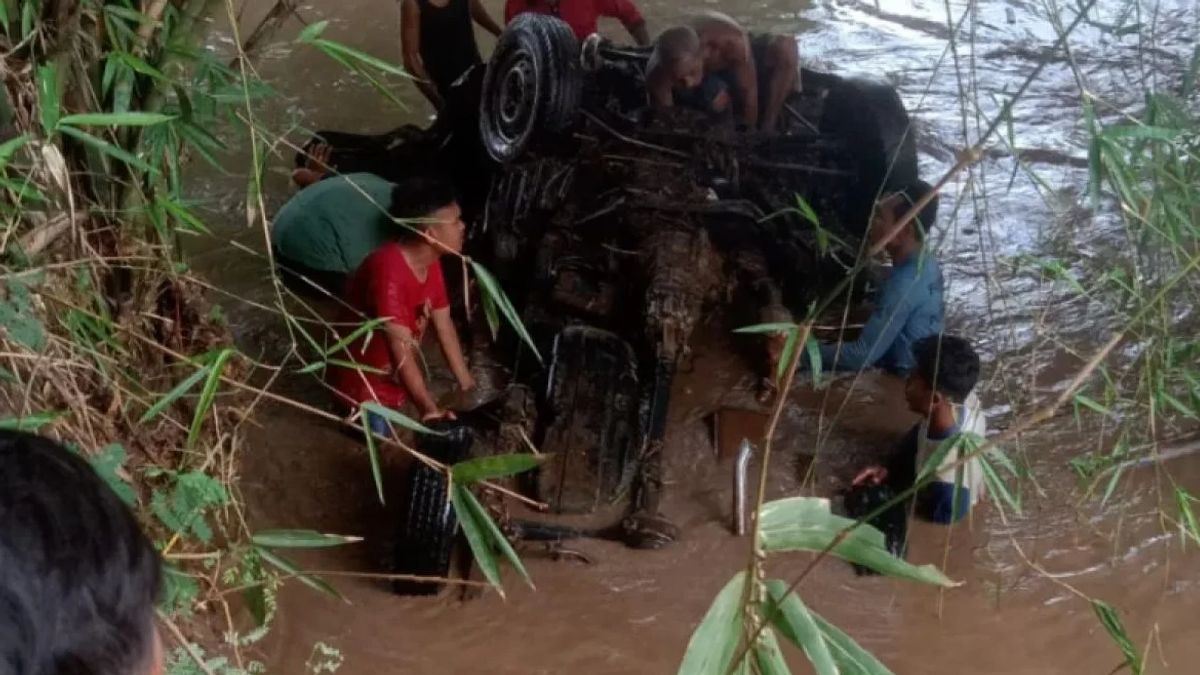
(760, 68)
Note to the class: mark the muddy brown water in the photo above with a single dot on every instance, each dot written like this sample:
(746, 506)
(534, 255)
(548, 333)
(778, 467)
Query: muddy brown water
(633, 611)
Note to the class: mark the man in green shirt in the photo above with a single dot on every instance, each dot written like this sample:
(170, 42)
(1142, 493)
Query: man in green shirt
(324, 231)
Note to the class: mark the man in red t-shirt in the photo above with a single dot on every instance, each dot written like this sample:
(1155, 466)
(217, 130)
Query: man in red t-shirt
(583, 15)
(402, 283)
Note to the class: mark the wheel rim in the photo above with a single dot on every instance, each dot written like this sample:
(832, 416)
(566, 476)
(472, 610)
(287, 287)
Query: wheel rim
(515, 97)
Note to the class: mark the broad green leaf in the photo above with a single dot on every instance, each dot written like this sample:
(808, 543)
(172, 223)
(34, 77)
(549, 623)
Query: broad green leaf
(180, 389)
(493, 532)
(373, 455)
(31, 422)
(128, 119)
(712, 646)
(208, 394)
(312, 31)
(289, 567)
(494, 466)
(107, 148)
(49, 103)
(1112, 623)
(768, 656)
(477, 537)
(490, 286)
(301, 539)
(806, 524)
(397, 417)
(140, 66)
(789, 614)
(767, 328)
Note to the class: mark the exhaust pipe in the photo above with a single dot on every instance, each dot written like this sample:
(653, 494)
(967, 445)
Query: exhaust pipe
(745, 451)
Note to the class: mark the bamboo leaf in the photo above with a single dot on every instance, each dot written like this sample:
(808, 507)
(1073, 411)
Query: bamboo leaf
(300, 539)
(996, 486)
(491, 313)
(9, 147)
(349, 53)
(764, 328)
(49, 103)
(31, 422)
(489, 285)
(397, 417)
(813, 347)
(485, 556)
(768, 656)
(1091, 404)
(289, 567)
(1140, 131)
(495, 466)
(107, 148)
(312, 31)
(373, 455)
(1111, 620)
(183, 215)
(807, 211)
(851, 658)
(208, 394)
(785, 357)
(806, 524)
(1188, 523)
(790, 615)
(128, 119)
(362, 330)
(714, 641)
(493, 532)
(180, 389)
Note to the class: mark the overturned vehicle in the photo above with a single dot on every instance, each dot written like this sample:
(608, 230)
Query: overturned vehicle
(613, 229)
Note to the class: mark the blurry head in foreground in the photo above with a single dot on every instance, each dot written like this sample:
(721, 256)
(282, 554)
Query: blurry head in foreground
(78, 578)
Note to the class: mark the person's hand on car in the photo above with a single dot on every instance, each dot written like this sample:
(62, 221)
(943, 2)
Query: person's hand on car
(438, 415)
(872, 475)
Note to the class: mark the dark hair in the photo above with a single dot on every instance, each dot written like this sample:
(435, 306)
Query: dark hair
(418, 197)
(948, 364)
(673, 45)
(78, 578)
(913, 193)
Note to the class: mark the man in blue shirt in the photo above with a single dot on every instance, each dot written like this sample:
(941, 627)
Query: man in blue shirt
(908, 307)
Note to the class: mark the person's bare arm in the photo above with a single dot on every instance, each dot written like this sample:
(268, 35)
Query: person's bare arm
(746, 80)
(452, 348)
(481, 16)
(639, 33)
(658, 87)
(410, 43)
(408, 371)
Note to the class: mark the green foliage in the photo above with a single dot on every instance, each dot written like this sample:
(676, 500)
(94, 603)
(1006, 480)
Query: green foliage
(807, 524)
(180, 590)
(18, 317)
(494, 466)
(495, 295)
(486, 540)
(1111, 621)
(32, 422)
(300, 539)
(109, 463)
(184, 507)
(715, 641)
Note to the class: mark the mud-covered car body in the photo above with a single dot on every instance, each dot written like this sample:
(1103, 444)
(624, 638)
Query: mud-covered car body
(614, 229)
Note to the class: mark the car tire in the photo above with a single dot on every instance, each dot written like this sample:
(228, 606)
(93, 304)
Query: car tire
(532, 88)
(592, 435)
(429, 532)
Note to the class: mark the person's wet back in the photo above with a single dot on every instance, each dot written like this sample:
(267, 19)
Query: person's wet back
(438, 42)
(761, 69)
(401, 283)
(327, 229)
(78, 578)
(583, 15)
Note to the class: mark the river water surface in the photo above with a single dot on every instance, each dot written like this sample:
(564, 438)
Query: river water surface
(632, 612)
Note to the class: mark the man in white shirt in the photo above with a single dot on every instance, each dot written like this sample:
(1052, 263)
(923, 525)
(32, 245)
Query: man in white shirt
(941, 388)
